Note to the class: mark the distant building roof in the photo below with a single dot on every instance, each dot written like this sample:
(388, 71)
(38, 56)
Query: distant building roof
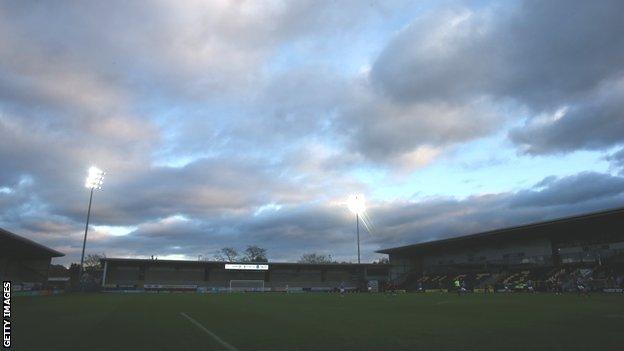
(13, 245)
(537, 229)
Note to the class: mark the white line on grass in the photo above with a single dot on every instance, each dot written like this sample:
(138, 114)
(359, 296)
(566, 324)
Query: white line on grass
(213, 335)
(443, 302)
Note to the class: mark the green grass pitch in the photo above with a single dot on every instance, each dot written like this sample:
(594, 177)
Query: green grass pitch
(318, 321)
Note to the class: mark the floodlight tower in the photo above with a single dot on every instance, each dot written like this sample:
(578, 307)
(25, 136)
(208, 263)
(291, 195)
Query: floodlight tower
(356, 205)
(94, 181)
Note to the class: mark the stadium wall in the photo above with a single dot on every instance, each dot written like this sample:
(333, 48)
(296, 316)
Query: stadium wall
(138, 274)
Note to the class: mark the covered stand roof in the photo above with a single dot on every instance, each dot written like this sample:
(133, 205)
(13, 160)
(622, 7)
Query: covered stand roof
(597, 222)
(13, 245)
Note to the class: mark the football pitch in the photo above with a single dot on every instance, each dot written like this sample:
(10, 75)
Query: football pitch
(317, 321)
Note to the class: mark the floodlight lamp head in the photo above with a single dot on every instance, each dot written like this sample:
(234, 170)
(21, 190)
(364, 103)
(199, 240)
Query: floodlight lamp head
(356, 204)
(95, 178)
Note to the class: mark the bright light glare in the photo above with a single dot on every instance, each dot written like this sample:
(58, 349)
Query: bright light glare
(95, 178)
(356, 204)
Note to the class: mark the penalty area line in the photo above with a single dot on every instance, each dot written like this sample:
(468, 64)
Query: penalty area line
(213, 335)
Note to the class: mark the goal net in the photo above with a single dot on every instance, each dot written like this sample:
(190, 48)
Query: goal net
(246, 285)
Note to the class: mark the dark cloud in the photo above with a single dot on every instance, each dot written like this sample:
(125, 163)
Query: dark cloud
(290, 230)
(617, 160)
(594, 123)
(542, 55)
(571, 190)
(401, 224)
(384, 131)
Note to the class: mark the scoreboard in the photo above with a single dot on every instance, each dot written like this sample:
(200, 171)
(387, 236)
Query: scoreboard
(247, 267)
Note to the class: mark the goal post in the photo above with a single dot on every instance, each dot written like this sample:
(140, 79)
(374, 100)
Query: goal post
(246, 285)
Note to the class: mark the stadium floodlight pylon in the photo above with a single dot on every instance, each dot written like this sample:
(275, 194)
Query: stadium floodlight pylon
(94, 181)
(356, 205)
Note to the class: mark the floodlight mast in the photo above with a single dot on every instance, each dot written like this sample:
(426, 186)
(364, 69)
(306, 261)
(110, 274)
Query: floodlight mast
(357, 229)
(356, 205)
(94, 181)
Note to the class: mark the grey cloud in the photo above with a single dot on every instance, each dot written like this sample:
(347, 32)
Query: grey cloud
(196, 70)
(408, 223)
(594, 124)
(436, 57)
(383, 130)
(205, 188)
(169, 48)
(542, 55)
(545, 182)
(78, 85)
(572, 190)
(291, 230)
(617, 160)
(287, 233)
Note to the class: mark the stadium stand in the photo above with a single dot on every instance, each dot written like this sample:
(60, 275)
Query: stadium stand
(551, 255)
(24, 262)
(153, 274)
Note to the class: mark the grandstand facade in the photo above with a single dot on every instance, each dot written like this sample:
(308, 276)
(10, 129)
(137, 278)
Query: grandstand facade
(154, 274)
(23, 261)
(543, 252)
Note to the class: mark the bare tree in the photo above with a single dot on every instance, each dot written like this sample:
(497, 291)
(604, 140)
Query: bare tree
(315, 258)
(93, 270)
(93, 262)
(255, 253)
(382, 260)
(226, 254)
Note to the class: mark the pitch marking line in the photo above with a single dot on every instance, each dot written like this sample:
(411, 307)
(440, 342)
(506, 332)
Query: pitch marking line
(213, 335)
(443, 302)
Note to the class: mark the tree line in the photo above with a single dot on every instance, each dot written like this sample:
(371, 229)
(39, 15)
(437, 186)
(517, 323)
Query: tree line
(258, 254)
(252, 253)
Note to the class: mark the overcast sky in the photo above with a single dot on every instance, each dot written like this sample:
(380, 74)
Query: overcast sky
(234, 123)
